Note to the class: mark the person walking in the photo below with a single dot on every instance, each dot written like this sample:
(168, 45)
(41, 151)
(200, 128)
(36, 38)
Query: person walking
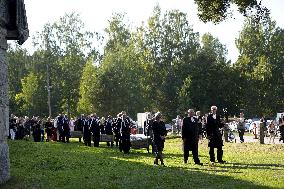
(281, 127)
(272, 132)
(214, 135)
(241, 127)
(190, 136)
(159, 134)
(125, 133)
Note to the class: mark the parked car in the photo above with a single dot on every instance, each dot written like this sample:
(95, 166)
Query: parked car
(169, 127)
(247, 126)
(257, 126)
(233, 126)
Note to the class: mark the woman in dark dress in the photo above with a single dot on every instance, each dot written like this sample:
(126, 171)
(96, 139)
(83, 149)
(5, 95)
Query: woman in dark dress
(37, 132)
(48, 129)
(159, 134)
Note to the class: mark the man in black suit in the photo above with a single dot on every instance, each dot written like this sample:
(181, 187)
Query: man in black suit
(125, 133)
(190, 134)
(214, 135)
(87, 135)
(66, 129)
(60, 127)
(79, 123)
(94, 123)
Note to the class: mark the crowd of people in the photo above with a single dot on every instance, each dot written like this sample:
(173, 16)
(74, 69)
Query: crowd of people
(192, 128)
(59, 129)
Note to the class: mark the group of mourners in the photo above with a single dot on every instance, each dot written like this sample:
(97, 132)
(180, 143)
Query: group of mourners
(59, 129)
(190, 133)
(120, 128)
(24, 127)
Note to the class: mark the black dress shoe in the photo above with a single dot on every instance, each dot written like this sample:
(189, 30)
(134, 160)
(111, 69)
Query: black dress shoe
(199, 163)
(222, 161)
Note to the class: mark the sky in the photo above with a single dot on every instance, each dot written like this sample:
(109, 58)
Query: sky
(96, 13)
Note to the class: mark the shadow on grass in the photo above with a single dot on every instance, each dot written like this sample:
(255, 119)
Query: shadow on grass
(277, 167)
(56, 165)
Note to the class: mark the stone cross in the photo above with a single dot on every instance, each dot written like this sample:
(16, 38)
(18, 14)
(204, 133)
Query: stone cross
(13, 26)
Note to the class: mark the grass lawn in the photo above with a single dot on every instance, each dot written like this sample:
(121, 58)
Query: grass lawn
(57, 165)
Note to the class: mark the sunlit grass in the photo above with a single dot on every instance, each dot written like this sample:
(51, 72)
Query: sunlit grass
(58, 165)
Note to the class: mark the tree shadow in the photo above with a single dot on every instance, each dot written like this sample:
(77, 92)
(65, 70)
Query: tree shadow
(71, 166)
(277, 167)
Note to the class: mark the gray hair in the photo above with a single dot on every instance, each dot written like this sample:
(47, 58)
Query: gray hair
(190, 110)
(214, 107)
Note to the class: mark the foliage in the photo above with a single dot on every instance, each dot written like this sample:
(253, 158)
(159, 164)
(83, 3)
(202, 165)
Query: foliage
(218, 10)
(86, 102)
(119, 74)
(19, 60)
(162, 65)
(171, 46)
(29, 99)
(59, 165)
(260, 62)
(60, 47)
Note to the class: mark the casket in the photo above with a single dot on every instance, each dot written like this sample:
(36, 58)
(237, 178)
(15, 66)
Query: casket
(139, 141)
(76, 134)
(106, 138)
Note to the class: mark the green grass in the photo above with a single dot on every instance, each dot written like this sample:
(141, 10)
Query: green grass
(58, 165)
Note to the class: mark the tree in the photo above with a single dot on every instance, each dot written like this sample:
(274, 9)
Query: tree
(120, 72)
(218, 10)
(66, 45)
(210, 79)
(261, 62)
(87, 103)
(19, 60)
(170, 46)
(32, 97)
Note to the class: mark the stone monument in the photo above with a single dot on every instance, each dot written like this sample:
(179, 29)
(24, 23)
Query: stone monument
(13, 26)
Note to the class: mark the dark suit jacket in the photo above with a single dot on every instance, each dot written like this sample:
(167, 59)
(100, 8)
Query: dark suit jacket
(190, 132)
(213, 133)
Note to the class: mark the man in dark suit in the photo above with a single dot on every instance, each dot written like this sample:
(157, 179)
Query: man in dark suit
(214, 135)
(117, 134)
(60, 127)
(87, 135)
(125, 133)
(148, 131)
(94, 123)
(79, 123)
(190, 134)
(109, 129)
(66, 129)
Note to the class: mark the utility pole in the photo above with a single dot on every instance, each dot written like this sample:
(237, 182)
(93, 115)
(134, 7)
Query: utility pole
(48, 87)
